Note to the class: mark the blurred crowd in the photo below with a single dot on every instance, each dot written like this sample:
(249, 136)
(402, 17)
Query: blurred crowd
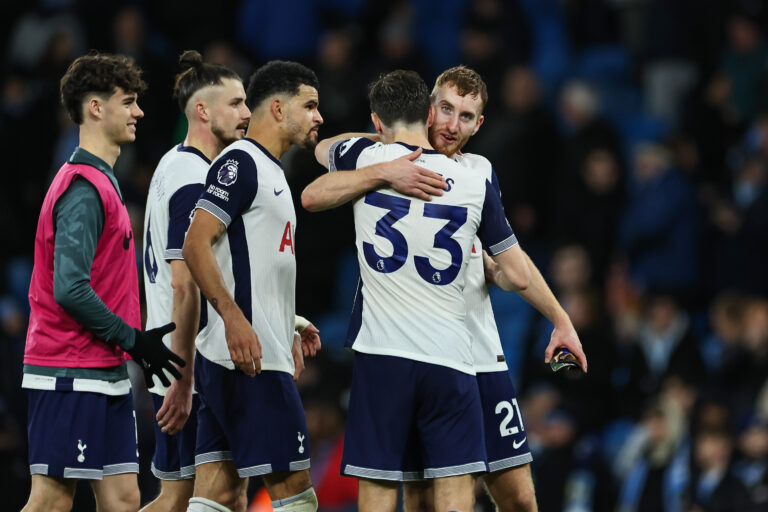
(630, 139)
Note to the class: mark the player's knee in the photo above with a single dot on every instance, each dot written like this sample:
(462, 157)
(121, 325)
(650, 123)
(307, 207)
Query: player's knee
(519, 499)
(197, 504)
(303, 502)
(127, 500)
(60, 503)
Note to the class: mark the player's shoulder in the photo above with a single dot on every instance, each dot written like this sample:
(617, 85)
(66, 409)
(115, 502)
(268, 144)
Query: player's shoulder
(178, 168)
(475, 162)
(184, 164)
(253, 153)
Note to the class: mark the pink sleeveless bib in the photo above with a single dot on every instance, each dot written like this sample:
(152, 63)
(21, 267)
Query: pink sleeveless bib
(54, 338)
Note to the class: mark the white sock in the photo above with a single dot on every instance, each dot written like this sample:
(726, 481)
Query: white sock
(205, 505)
(303, 502)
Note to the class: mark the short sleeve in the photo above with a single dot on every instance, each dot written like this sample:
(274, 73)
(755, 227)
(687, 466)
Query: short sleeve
(230, 187)
(494, 232)
(343, 154)
(180, 208)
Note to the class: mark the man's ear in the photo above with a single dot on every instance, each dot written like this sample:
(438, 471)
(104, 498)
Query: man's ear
(277, 107)
(202, 111)
(431, 116)
(95, 107)
(376, 123)
(479, 124)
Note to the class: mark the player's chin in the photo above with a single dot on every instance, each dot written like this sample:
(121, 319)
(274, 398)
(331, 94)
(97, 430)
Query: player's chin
(444, 148)
(310, 141)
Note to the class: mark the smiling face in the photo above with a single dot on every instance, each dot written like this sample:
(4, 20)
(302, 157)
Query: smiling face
(303, 118)
(120, 114)
(457, 118)
(228, 112)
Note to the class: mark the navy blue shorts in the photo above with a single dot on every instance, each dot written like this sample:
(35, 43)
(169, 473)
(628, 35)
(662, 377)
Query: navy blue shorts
(410, 420)
(77, 434)
(174, 457)
(505, 439)
(257, 422)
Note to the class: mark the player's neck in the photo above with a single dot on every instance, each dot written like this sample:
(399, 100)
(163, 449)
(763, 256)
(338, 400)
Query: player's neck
(96, 143)
(202, 139)
(411, 136)
(269, 137)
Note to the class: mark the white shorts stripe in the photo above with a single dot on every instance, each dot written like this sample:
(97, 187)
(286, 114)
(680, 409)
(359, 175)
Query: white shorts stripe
(380, 474)
(510, 462)
(118, 469)
(298, 465)
(184, 473)
(204, 458)
(261, 469)
(463, 469)
(89, 474)
(38, 469)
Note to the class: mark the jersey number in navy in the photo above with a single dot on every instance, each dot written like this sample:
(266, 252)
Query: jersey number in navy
(398, 208)
(150, 261)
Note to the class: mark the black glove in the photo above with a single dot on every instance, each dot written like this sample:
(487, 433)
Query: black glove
(153, 356)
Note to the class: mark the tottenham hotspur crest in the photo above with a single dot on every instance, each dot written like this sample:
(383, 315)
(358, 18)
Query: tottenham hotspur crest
(301, 443)
(227, 174)
(81, 447)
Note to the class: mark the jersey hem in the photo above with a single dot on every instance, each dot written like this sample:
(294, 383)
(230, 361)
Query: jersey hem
(491, 368)
(229, 365)
(415, 357)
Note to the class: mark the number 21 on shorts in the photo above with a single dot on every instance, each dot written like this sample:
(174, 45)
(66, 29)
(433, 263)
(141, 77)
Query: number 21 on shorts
(512, 410)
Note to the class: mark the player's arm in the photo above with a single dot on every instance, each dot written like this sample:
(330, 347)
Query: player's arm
(177, 403)
(322, 150)
(538, 294)
(341, 186)
(517, 269)
(79, 221)
(205, 230)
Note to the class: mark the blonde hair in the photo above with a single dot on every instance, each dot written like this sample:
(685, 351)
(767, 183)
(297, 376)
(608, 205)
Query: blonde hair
(466, 81)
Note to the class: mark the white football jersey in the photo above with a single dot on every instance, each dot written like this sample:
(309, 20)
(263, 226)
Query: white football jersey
(413, 257)
(486, 344)
(175, 188)
(246, 189)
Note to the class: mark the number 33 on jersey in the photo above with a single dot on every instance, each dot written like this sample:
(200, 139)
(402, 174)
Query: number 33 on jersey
(417, 252)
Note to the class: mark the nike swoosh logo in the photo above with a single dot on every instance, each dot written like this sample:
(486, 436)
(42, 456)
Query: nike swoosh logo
(517, 445)
(278, 192)
(127, 241)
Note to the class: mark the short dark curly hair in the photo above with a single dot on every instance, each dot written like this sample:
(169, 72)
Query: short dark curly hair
(400, 96)
(278, 76)
(99, 73)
